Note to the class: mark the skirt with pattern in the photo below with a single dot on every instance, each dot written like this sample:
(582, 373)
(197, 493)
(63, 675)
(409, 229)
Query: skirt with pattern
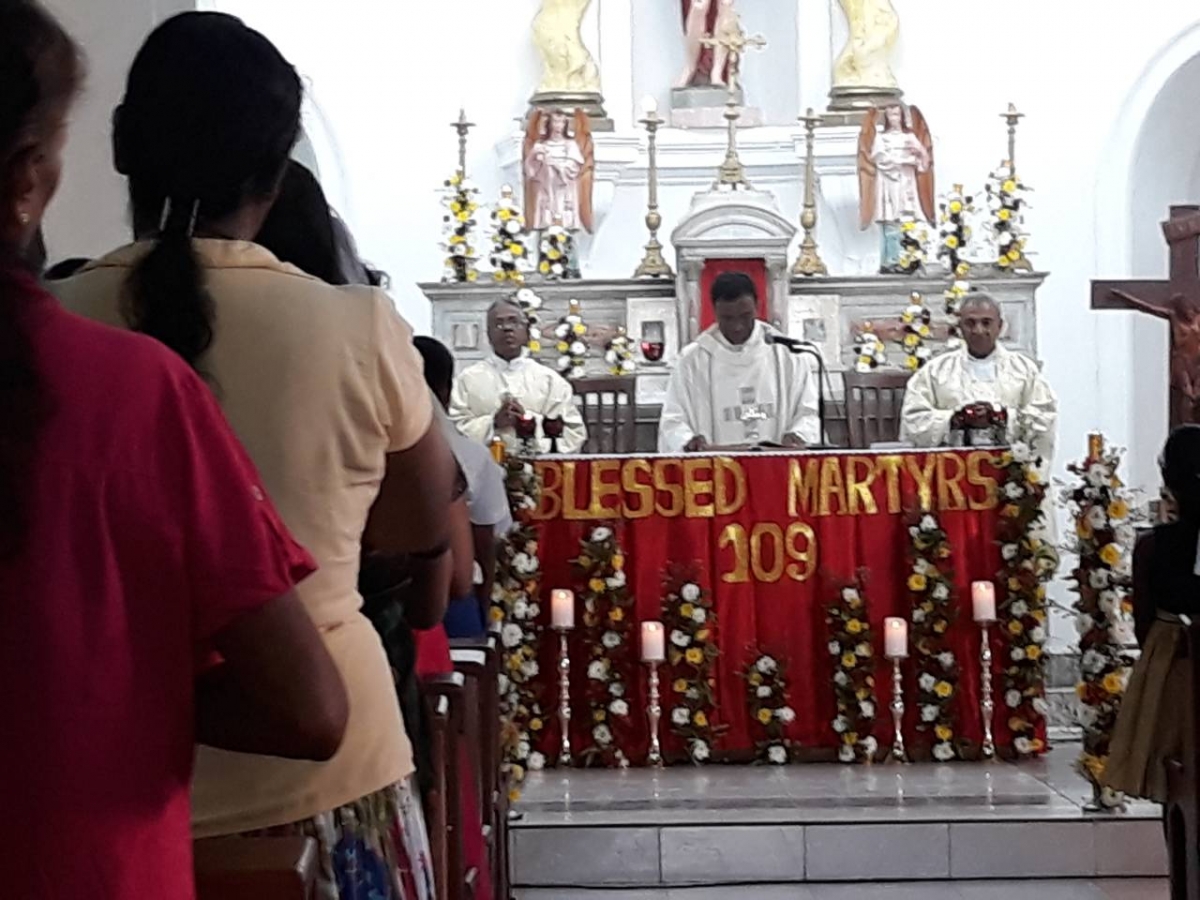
(375, 848)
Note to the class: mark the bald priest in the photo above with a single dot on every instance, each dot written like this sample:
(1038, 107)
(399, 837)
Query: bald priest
(732, 387)
(980, 373)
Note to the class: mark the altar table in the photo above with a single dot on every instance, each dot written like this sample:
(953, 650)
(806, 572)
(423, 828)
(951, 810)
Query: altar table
(774, 537)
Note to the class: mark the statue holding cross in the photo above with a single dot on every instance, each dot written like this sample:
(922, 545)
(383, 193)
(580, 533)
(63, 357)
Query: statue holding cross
(1178, 301)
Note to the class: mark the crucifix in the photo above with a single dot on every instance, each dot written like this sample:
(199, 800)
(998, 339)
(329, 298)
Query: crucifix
(1178, 301)
(733, 41)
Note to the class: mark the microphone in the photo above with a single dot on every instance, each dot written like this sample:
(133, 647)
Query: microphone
(793, 344)
(808, 348)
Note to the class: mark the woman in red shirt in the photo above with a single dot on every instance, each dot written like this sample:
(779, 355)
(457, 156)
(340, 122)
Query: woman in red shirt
(136, 550)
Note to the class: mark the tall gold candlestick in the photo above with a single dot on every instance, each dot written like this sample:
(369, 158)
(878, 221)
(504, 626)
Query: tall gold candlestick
(809, 261)
(1012, 117)
(653, 265)
(462, 126)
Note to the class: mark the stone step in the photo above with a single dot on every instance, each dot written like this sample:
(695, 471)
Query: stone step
(1060, 889)
(678, 827)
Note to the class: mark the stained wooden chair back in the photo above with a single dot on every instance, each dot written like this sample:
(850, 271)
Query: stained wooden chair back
(609, 408)
(444, 699)
(873, 402)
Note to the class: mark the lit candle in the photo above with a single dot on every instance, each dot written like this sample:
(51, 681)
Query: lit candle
(562, 608)
(983, 601)
(895, 638)
(654, 647)
(649, 106)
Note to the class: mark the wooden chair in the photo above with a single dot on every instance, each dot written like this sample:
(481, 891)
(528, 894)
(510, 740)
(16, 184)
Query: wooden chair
(873, 403)
(255, 868)
(1181, 812)
(443, 696)
(609, 407)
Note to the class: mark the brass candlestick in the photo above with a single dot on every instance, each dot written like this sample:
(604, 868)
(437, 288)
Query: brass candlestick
(898, 751)
(809, 262)
(653, 265)
(987, 705)
(654, 715)
(564, 696)
(1012, 117)
(462, 126)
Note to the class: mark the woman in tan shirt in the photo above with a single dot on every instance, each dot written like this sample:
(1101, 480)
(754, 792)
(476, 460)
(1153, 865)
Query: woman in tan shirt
(325, 390)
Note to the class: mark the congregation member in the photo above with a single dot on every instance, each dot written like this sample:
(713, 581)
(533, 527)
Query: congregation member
(325, 389)
(486, 499)
(981, 373)
(1154, 717)
(136, 548)
(492, 395)
(733, 388)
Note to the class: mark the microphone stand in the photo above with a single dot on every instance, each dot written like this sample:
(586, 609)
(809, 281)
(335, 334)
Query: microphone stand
(803, 348)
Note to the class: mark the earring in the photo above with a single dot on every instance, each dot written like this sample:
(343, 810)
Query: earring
(23, 217)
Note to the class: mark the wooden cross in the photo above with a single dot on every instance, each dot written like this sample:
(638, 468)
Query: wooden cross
(1178, 301)
(734, 41)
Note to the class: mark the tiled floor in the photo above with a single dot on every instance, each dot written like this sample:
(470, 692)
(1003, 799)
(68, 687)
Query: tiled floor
(1110, 889)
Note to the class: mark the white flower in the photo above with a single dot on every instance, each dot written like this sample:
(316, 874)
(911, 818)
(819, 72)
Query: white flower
(840, 725)
(870, 745)
(597, 670)
(1124, 568)
(1097, 517)
(561, 330)
(1040, 706)
(564, 362)
(699, 615)
(1022, 452)
(941, 592)
(1097, 475)
(628, 366)
(849, 594)
(692, 693)
(529, 668)
(1009, 552)
(617, 579)
(777, 755)
(603, 735)
(1125, 535)
(840, 678)
(928, 523)
(921, 566)
(1087, 716)
(1084, 623)
(578, 348)
(1019, 608)
(918, 615)
(617, 689)
(846, 753)
(520, 609)
(601, 533)
(926, 682)
(1023, 745)
(679, 639)
(512, 226)
(867, 708)
(619, 708)
(1110, 601)
(766, 665)
(1037, 634)
(510, 635)
(1017, 654)
(929, 713)
(521, 563)
(785, 714)
(502, 683)
(523, 749)
(943, 752)
(1092, 662)
(835, 649)
(699, 750)
(611, 640)
(610, 357)
(526, 297)
(680, 716)
(690, 592)
(1013, 699)
(762, 692)
(536, 762)
(577, 372)
(1013, 491)
(946, 658)
(863, 650)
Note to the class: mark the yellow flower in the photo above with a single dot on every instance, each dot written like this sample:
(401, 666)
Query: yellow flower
(848, 660)
(455, 206)
(1039, 614)
(514, 794)
(850, 738)
(694, 656)
(908, 226)
(963, 270)
(765, 716)
(1112, 683)
(596, 585)
(680, 685)
(702, 634)
(917, 582)
(700, 719)
(580, 329)
(925, 331)
(1084, 529)
(940, 626)
(1111, 554)
(911, 340)
(584, 560)
(516, 249)
(618, 561)
(1033, 477)
(472, 275)
(598, 715)
(1081, 690)
(1015, 627)
(943, 733)
(686, 610)
(562, 346)
(536, 724)
(755, 679)
(912, 362)
(1014, 255)
(553, 254)
(1033, 651)
(943, 689)
(854, 626)
(1014, 584)
(1009, 186)
(503, 215)
(463, 216)
(535, 346)
(951, 241)
(955, 206)
(1118, 510)
(544, 267)
(617, 615)
(496, 614)
(1003, 215)
(1003, 262)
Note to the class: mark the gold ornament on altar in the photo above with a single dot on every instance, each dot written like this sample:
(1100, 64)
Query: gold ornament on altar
(653, 264)
(559, 165)
(809, 262)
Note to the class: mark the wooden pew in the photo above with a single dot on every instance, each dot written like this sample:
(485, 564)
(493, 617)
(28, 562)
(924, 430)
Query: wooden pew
(1181, 812)
(445, 701)
(255, 868)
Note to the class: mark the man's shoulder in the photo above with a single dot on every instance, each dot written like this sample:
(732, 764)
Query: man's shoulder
(940, 365)
(476, 368)
(1018, 360)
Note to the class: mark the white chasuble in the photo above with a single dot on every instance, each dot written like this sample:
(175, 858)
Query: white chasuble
(479, 391)
(739, 394)
(956, 379)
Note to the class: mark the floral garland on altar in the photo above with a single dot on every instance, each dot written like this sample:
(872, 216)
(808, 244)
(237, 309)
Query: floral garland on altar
(869, 351)
(1006, 203)
(854, 673)
(571, 342)
(954, 233)
(931, 584)
(914, 236)
(510, 256)
(458, 226)
(917, 329)
(954, 296)
(767, 702)
(515, 610)
(691, 657)
(531, 305)
(1103, 583)
(618, 354)
(1029, 562)
(607, 616)
(555, 253)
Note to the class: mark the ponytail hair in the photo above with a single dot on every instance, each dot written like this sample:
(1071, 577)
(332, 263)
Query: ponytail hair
(210, 114)
(1181, 471)
(40, 70)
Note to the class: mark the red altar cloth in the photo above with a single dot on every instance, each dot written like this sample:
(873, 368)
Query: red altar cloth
(774, 538)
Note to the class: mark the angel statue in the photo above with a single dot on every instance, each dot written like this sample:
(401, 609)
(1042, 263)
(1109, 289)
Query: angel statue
(706, 19)
(559, 167)
(895, 174)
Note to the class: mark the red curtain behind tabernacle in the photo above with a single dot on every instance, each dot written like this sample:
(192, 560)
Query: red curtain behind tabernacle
(755, 268)
(775, 613)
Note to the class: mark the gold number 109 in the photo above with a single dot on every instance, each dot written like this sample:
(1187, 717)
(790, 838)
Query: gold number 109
(793, 552)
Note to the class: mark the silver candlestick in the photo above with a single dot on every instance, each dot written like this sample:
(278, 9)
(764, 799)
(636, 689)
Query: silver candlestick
(564, 696)
(653, 265)
(898, 753)
(987, 705)
(654, 714)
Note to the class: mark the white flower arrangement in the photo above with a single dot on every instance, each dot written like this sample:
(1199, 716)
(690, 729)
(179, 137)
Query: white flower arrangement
(618, 354)
(917, 321)
(914, 239)
(571, 342)
(458, 229)
(954, 234)
(766, 693)
(510, 257)
(869, 351)
(1006, 204)
(531, 305)
(556, 252)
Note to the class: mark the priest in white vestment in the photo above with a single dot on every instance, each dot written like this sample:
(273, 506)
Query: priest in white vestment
(732, 388)
(490, 396)
(982, 371)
